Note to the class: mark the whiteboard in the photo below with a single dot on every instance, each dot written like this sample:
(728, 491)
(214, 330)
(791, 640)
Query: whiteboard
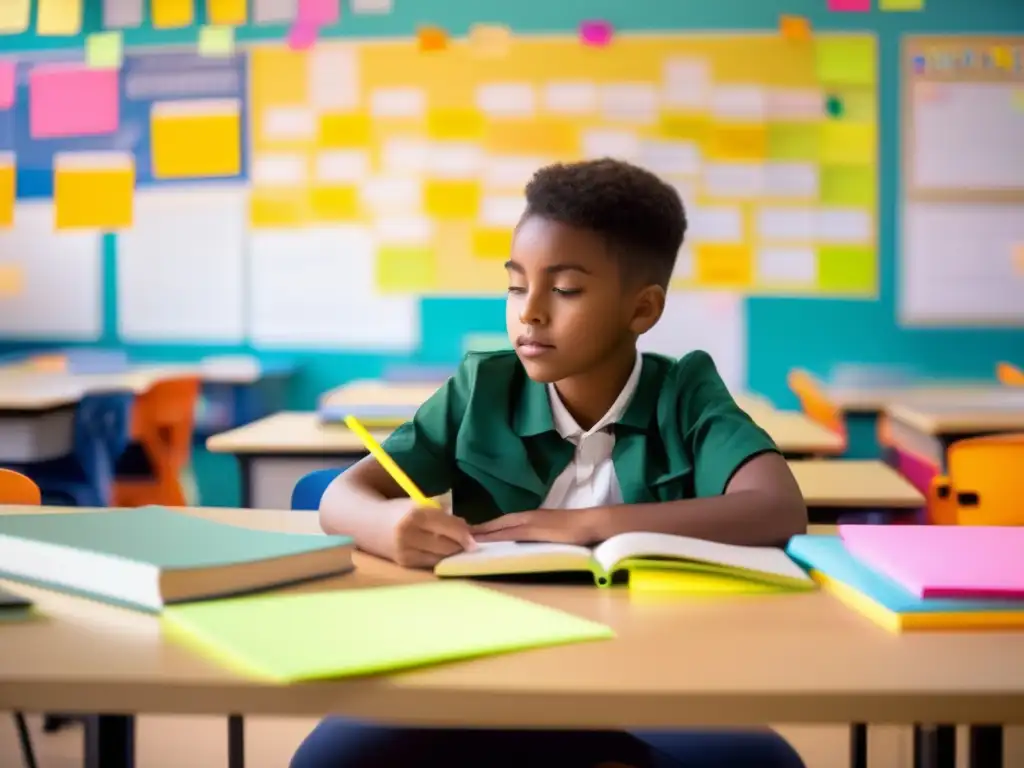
(713, 321)
(62, 278)
(316, 288)
(968, 136)
(181, 266)
(960, 261)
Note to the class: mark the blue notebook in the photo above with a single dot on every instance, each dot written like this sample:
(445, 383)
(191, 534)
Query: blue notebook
(370, 415)
(885, 601)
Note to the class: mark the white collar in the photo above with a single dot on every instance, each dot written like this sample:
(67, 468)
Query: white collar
(566, 424)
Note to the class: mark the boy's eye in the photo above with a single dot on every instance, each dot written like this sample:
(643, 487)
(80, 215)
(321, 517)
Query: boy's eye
(568, 291)
(516, 289)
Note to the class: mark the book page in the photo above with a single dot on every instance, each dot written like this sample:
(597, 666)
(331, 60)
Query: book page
(628, 546)
(508, 557)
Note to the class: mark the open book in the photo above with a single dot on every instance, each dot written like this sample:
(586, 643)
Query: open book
(630, 552)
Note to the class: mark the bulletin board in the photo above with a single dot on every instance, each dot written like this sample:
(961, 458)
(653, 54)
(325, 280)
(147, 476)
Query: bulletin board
(962, 260)
(771, 142)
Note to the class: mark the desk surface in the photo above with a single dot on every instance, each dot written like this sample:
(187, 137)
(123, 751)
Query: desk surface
(25, 389)
(791, 658)
(962, 415)
(842, 483)
(874, 399)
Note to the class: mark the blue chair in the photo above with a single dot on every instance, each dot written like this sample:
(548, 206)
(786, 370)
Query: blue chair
(310, 489)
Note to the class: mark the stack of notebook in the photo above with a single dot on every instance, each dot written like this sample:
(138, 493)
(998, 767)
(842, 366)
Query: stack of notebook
(907, 577)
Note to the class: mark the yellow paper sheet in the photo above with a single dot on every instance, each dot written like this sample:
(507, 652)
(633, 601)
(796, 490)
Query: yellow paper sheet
(738, 142)
(99, 196)
(14, 16)
(448, 199)
(279, 208)
(455, 125)
(845, 143)
(850, 269)
(226, 12)
(335, 203)
(724, 266)
(104, 50)
(59, 18)
(693, 583)
(845, 60)
(12, 280)
(492, 242)
(344, 131)
(901, 5)
(8, 183)
(196, 141)
(406, 269)
(537, 137)
(216, 41)
(172, 14)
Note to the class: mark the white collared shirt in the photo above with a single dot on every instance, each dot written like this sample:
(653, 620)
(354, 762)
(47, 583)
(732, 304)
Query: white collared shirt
(589, 480)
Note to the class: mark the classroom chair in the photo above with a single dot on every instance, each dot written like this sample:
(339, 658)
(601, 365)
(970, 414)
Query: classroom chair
(162, 425)
(310, 489)
(16, 488)
(984, 482)
(816, 404)
(1010, 375)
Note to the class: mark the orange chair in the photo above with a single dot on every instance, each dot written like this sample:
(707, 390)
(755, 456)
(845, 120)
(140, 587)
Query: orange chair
(984, 484)
(163, 422)
(816, 404)
(1010, 375)
(16, 488)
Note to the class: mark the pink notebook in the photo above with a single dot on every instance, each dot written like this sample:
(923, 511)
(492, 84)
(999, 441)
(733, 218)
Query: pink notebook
(943, 560)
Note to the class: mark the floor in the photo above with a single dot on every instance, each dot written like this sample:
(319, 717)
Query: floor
(201, 742)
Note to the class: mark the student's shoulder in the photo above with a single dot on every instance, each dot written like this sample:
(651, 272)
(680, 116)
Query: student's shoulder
(692, 371)
(487, 372)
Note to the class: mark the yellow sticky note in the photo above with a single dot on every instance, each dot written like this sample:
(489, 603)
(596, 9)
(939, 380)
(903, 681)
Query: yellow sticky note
(847, 269)
(216, 41)
(492, 242)
(738, 142)
(796, 28)
(226, 12)
(338, 202)
(406, 269)
(536, 137)
(451, 199)
(93, 190)
(12, 280)
(59, 18)
(849, 60)
(901, 5)
(685, 126)
(104, 50)
(490, 40)
(8, 187)
(723, 266)
(14, 16)
(172, 14)
(344, 131)
(279, 208)
(848, 144)
(196, 140)
(455, 124)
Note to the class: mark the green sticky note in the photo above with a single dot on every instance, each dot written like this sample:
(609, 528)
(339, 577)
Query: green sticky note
(854, 185)
(847, 269)
(794, 141)
(406, 269)
(104, 50)
(216, 41)
(485, 342)
(304, 636)
(849, 60)
(901, 5)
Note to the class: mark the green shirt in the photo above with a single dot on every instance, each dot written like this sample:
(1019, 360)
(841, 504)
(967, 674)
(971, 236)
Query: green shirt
(488, 436)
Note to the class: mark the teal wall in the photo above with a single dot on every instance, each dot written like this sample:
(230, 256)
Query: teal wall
(783, 333)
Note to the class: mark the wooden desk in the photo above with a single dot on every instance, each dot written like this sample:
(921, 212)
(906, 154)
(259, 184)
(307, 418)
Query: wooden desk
(813, 662)
(797, 436)
(872, 400)
(831, 487)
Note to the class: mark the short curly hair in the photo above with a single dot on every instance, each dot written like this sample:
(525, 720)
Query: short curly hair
(640, 216)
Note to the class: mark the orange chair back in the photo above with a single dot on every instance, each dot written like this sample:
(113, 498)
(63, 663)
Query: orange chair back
(1010, 375)
(16, 488)
(985, 482)
(815, 403)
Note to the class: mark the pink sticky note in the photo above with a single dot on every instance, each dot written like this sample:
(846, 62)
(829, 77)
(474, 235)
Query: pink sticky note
(596, 32)
(318, 12)
(70, 100)
(301, 37)
(850, 6)
(954, 561)
(7, 81)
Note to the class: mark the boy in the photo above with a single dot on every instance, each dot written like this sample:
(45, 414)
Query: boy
(572, 437)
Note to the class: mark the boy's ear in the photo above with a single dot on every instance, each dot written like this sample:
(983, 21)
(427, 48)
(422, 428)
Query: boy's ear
(648, 308)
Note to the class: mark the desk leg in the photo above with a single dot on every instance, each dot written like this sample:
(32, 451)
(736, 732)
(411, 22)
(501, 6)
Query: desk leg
(245, 475)
(934, 746)
(236, 741)
(109, 741)
(858, 745)
(986, 747)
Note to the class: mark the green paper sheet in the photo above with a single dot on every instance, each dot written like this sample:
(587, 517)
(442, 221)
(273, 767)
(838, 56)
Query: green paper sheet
(306, 636)
(845, 60)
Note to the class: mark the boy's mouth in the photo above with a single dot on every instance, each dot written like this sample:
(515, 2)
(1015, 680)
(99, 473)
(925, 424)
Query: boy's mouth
(529, 347)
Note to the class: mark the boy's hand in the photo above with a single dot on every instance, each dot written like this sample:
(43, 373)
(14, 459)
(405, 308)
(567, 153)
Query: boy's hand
(562, 526)
(426, 535)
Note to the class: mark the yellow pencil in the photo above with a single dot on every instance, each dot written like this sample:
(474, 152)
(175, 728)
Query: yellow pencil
(375, 449)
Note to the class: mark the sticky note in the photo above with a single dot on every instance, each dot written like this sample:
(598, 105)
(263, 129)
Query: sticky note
(431, 39)
(685, 126)
(492, 242)
(59, 18)
(14, 16)
(489, 40)
(104, 50)
(901, 5)
(596, 33)
(274, 11)
(406, 269)
(72, 100)
(302, 36)
(723, 266)
(845, 60)
(172, 14)
(532, 137)
(371, 6)
(795, 28)
(847, 269)
(850, 6)
(278, 208)
(120, 14)
(848, 143)
(451, 198)
(12, 280)
(848, 185)
(216, 41)
(8, 83)
(1002, 57)
(794, 141)
(93, 190)
(195, 140)
(228, 13)
(738, 142)
(319, 12)
(8, 187)
(344, 131)
(336, 202)
(455, 124)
